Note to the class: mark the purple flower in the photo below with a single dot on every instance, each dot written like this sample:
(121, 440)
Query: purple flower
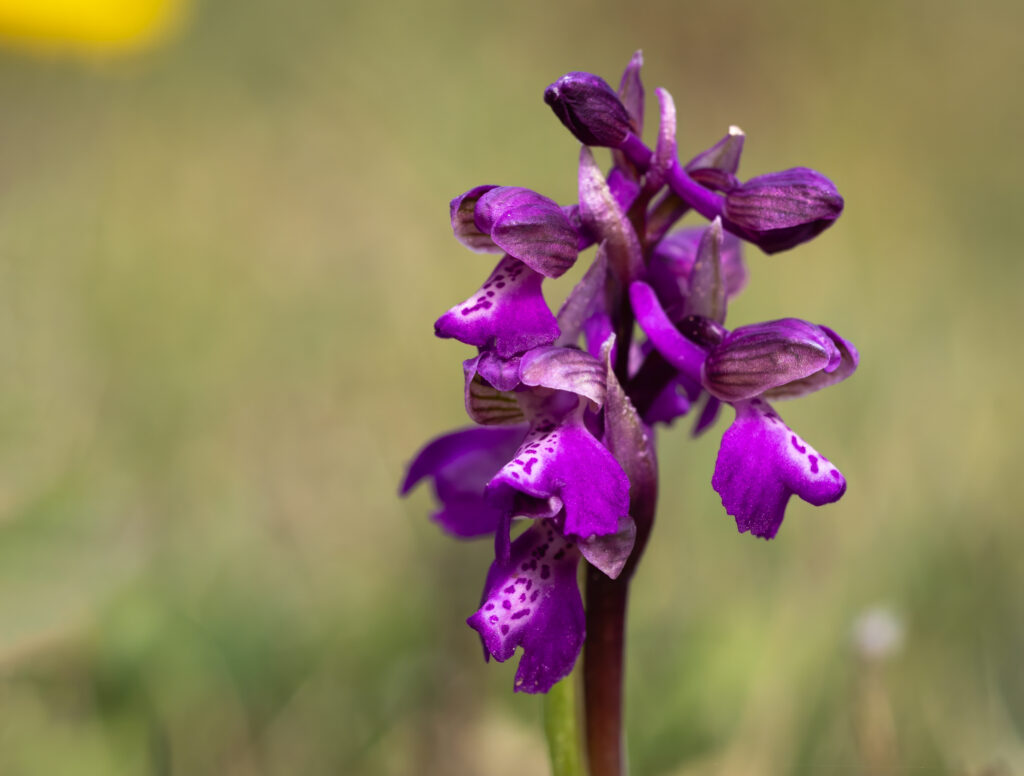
(566, 406)
(508, 313)
(761, 461)
(533, 602)
(461, 464)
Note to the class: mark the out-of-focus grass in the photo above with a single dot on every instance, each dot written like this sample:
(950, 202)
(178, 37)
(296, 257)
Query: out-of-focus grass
(219, 266)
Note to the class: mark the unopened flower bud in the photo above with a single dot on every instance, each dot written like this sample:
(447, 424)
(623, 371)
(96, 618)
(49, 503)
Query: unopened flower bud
(590, 108)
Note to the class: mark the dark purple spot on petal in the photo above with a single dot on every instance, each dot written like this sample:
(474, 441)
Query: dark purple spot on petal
(506, 604)
(510, 589)
(488, 607)
(529, 466)
(796, 443)
(520, 614)
(533, 595)
(814, 463)
(545, 571)
(493, 619)
(504, 630)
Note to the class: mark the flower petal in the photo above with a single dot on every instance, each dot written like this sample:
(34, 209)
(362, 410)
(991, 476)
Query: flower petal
(682, 354)
(672, 263)
(707, 281)
(534, 602)
(761, 463)
(631, 92)
(462, 210)
(610, 553)
(849, 359)
(561, 465)
(564, 369)
(602, 215)
(665, 150)
(508, 313)
(754, 359)
(460, 464)
(583, 300)
(784, 209)
(529, 227)
(723, 156)
(491, 402)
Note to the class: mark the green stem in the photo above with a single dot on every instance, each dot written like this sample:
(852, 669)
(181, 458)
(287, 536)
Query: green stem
(562, 728)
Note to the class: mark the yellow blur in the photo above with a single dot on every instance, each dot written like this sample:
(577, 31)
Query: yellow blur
(95, 26)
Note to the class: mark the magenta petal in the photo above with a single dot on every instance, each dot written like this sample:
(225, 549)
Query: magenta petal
(757, 358)
(761, 463)
(534, 602)
(460, 464)
(508, 313)
(562, 466)
(682, 354)
(529, 227)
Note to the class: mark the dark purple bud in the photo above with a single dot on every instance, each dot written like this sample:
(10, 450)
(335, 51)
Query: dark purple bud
(754, 359)
(781, 210)
(590, 109)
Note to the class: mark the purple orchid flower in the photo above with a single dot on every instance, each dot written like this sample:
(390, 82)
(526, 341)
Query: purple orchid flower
(761, 462)
(567, 406)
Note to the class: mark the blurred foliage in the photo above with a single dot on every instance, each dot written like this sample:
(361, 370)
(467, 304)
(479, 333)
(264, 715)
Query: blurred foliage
(219, 265)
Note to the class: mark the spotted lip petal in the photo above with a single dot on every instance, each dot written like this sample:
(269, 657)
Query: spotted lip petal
(560, 465)
(508, 313)
(590, 109)
(534, 602)
(460, 464)
(754, 359)
(784, 209)
(529, 227)
(761, 463)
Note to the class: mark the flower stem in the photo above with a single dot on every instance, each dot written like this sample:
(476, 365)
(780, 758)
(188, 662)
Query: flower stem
(562, 728)
(603, 672)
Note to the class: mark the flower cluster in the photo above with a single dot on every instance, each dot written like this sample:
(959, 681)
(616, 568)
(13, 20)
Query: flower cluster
(565, 405)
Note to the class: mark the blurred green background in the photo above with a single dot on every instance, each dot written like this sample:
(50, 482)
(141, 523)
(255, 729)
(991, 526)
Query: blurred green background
(220, 261)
